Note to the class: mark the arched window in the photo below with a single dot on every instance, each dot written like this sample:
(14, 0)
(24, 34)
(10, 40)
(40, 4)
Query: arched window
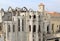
(0, 36)
(48, 29)
(59, 28)
(22, 25)
(29, 27)
(39, 29)
(34, 16)
(0, 28)
(18, 28)
(34, 28)
(30, 16)
(52, 27)
(18, 24)
(8, 28)
(39, 16)
(13, 28)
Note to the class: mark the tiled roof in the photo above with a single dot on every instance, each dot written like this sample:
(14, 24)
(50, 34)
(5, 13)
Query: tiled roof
(54, 13)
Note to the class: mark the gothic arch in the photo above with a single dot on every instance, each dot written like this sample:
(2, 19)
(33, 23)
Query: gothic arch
(24, 9)
(10, 9)
(2, 9)
(34, 16)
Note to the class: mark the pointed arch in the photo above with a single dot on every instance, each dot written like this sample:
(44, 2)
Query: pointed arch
(2, 9)
(10, 9)
(24, 9)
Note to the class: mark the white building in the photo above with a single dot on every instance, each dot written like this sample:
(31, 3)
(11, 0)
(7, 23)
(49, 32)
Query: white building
(21, 24)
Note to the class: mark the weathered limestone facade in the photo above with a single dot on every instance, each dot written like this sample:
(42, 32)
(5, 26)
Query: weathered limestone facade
(21, 24)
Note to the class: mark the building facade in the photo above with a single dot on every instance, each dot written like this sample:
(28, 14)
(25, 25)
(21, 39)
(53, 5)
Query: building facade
(21, 24)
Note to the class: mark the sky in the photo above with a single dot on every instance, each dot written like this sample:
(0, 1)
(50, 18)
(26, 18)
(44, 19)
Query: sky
(50, 5)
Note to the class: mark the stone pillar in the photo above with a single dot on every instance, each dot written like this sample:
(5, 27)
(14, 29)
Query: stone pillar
(41, 30)
(11, 33)
(31, 22)
(45, 30)
(37, 26)
(6, 32)
(16, 29)
(26, 26)
(45, 27)
(3, 36)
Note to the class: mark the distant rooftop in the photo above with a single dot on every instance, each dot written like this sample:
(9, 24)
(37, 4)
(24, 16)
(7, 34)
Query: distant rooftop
(54, 13)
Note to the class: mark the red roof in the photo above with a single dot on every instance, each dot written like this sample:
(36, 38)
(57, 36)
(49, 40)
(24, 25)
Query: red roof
(54, 13)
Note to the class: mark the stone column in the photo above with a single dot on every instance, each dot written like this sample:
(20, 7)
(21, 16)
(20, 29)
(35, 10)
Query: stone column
(3, 36)
(27, 26)
(45, 27)
(37, 26)
(11, 33)
(41, 30)
(16, 29)
(6, 31)
(31, 22)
